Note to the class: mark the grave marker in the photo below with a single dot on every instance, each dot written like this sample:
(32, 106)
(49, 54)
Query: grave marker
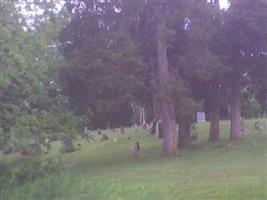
(201, 117)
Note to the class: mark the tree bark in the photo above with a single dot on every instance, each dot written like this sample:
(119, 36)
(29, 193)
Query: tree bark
(184, 135)
(214, 133)
(236, 128)
(214, 113)
(166, 104)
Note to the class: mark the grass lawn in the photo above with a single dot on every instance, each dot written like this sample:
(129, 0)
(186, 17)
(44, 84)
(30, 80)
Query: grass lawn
(107, 171)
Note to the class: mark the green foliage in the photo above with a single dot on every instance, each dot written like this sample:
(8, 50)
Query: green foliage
(104, 74)
(45, 126)
(27, 169)
(251, 108)
(31, 102)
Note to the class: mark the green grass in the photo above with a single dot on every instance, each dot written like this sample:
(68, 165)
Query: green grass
(107, 171)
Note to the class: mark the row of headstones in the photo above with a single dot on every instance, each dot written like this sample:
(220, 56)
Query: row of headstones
(66, 144)
(156, 128)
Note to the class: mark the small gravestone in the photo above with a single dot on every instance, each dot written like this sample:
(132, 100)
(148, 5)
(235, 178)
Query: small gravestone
(34, 147)
(258, 127)
(66, 145)
(193, 136)
(47, 145)
(104, 138)
(86, 130)
(86, 134)
(201, 117)
(24, 153)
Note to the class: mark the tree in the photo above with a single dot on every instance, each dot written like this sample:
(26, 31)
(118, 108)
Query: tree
(165, 100)
(29, 94)
(244, 41)
(104, 74)
(194, 54)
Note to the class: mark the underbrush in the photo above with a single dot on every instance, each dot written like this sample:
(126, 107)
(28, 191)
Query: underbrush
(38, 179)
(61, 185)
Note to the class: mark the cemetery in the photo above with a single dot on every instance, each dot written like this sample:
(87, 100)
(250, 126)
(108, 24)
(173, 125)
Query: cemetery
(205, 167)
(133, 100)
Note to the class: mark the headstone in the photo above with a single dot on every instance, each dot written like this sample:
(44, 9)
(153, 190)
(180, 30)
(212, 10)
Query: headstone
(104, 137)
(66, 145)
(87, 134)
(34, 148)
(47, 145)
(157, 130)
(201, 117)
(258, 127)
(24, 153)
(193, 136)
(86, 130)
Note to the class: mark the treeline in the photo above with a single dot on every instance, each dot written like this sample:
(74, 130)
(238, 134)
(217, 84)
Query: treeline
(172, 57)
(96, 63)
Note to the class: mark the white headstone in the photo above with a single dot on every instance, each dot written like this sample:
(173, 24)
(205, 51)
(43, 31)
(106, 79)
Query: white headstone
(201, 117)
(86, 130)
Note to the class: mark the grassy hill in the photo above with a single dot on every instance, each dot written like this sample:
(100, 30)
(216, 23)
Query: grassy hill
(107, 170)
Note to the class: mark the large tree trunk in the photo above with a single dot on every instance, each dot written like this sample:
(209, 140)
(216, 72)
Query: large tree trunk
(236, 128)
(166, 104)
(214, 133)
(184, 135)
(214, 113)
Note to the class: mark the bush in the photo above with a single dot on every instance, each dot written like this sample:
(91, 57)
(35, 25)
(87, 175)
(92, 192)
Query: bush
(27, 169)
(61, 186)
(45, 125)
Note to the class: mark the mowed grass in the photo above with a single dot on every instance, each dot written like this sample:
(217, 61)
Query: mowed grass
(107, 170)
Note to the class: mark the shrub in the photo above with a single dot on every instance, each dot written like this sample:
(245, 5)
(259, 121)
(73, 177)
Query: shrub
(27, 169)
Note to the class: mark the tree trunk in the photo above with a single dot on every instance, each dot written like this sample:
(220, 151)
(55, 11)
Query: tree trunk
(184, 135)
(236, 128)
(166, 104)
(214, 133)
(142, 117)
(214, 114)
